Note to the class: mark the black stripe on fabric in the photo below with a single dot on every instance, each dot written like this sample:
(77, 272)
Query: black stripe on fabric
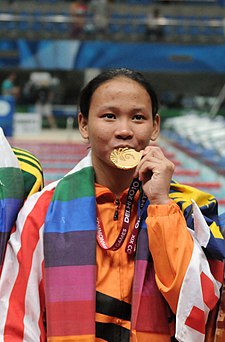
(112, 333)
(20, 154)
(30, 162)
(19, 151)
(112, 307)
(24, 152)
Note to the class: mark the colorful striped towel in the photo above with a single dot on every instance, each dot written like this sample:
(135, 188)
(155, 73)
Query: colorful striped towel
(11, 191)
(63, 216)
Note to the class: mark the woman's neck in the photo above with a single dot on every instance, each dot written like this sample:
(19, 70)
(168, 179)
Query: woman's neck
(116, 180)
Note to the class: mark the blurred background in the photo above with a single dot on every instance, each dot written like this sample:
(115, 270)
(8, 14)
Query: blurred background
(50, 48)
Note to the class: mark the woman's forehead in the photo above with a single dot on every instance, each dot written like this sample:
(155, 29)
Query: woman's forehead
(120, 84)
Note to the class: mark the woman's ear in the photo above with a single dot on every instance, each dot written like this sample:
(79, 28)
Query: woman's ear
(156, 127)
(83, 126)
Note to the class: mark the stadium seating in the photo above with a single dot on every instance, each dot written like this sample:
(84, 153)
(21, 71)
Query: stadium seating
(129, 20)
(200, 136)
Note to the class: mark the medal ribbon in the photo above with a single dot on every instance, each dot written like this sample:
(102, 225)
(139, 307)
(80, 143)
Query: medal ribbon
(131, 246)
(132, 243)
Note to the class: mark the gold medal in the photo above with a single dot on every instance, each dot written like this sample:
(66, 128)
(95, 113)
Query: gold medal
(125, 158)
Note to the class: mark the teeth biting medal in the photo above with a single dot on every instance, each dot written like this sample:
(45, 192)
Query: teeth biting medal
(125, 158)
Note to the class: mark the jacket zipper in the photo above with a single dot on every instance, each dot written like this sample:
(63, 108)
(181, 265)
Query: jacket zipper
(116, 213)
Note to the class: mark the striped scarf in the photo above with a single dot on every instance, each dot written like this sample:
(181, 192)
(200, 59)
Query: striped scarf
(20, 176)
(11, 192)
(70, 259)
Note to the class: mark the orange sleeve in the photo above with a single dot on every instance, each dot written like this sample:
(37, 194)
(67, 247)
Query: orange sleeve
(171, 246)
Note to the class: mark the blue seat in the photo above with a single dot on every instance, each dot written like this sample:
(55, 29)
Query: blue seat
(11, 27)
(128, 23)
(169, 30)
(114, 26)
(194, 28)
(219, 30)
(23, 24)
(49, 26)
(140, 26)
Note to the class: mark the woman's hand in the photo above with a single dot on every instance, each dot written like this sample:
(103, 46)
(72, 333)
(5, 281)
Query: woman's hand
(155, 171)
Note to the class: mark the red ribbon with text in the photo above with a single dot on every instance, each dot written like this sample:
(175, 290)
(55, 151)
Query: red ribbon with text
(132, 243)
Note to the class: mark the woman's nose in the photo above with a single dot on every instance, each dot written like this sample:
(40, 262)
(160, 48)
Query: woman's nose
(123, 130)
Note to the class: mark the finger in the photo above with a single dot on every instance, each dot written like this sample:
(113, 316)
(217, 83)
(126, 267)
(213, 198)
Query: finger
(148, 154)
(153, 151)
(148, 167)
(155, 165)
(148, 158)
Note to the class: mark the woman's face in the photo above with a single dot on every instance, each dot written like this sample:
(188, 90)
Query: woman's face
(120, 115)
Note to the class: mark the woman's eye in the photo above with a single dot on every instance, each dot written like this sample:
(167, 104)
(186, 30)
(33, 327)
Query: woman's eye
(138, 117)
(109, 116)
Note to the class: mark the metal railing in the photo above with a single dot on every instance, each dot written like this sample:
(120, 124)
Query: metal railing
(118, 27)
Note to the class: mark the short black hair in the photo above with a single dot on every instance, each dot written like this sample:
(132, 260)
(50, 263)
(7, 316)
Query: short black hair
(107, 75)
